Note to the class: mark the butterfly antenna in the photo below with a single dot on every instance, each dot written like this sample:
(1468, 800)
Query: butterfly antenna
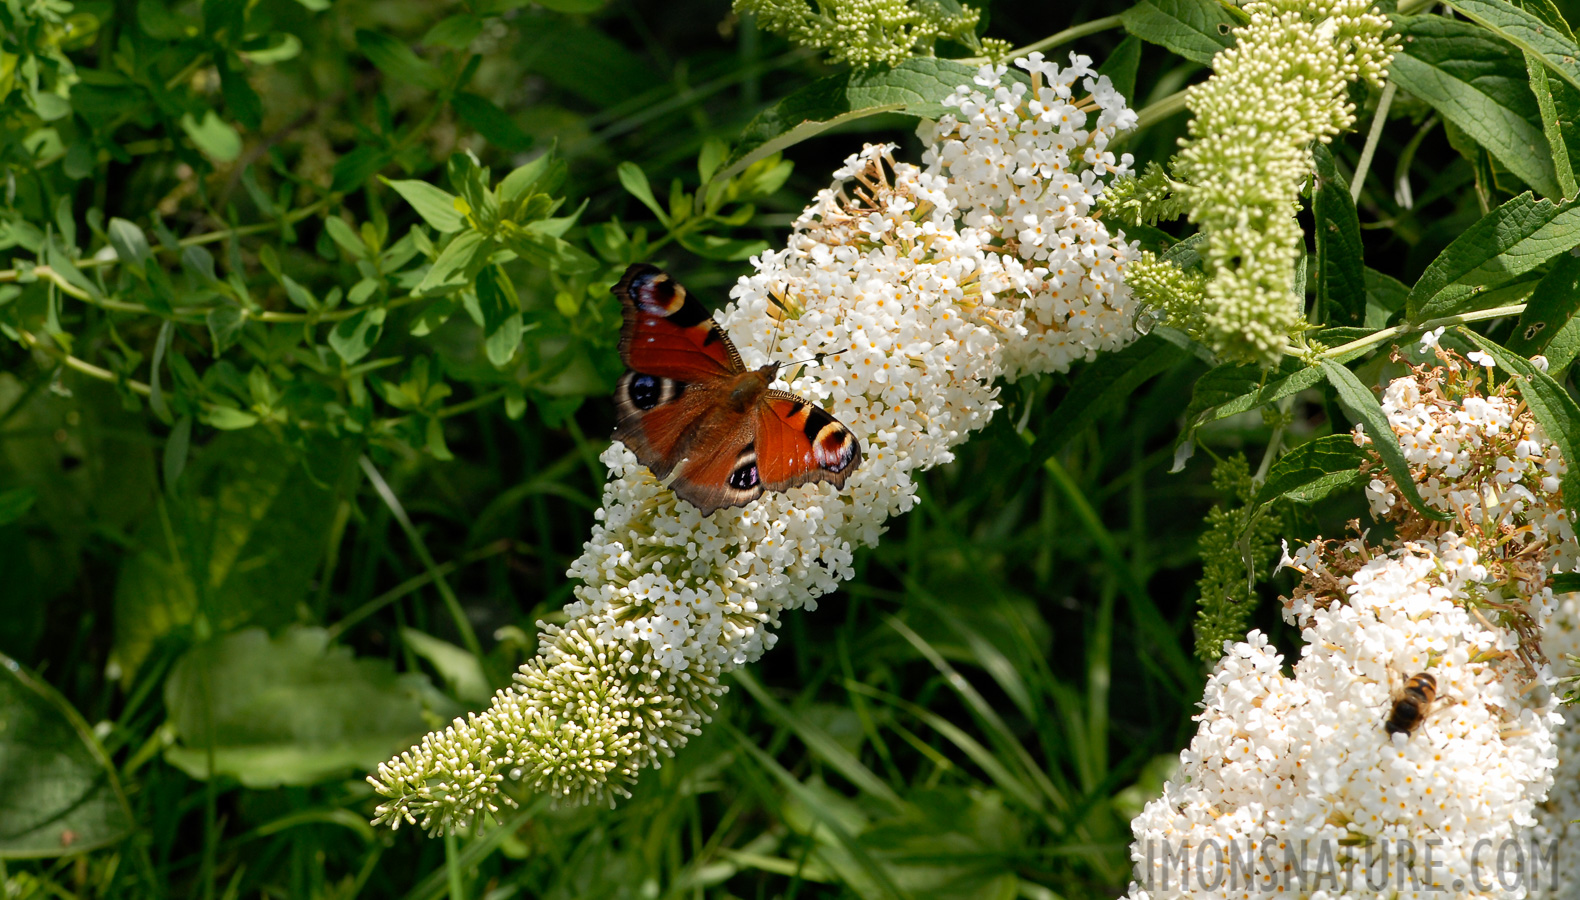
(779, 326)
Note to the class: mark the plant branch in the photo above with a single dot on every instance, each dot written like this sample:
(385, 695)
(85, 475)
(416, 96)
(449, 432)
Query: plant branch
(1386, 334)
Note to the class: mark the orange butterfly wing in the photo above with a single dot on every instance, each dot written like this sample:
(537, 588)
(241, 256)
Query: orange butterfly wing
(798, 442)
(667, 333)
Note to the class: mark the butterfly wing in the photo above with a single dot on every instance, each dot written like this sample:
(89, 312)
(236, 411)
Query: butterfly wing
(667, 333)
(798, 442)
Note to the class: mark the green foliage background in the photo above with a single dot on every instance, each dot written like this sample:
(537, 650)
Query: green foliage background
(307, 339)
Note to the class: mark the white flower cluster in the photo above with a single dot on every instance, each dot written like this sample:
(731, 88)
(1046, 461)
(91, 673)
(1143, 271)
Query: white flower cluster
(1484, 459)
(1560, 815)
(920, 297)
(1282, 86)
(1304, 770)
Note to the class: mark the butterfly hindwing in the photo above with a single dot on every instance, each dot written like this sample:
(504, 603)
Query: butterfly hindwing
(667, 333)
(799, 442)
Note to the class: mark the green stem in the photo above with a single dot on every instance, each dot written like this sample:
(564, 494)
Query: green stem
(1378, 337)
(411, 584)
(1372, 137)
(1153, 113)
(95, 262)
(451, 601)
(1048, 43)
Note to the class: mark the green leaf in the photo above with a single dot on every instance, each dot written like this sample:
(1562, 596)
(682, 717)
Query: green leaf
(354, 337)
(131, 245)
(351, 170)
(1542, 89)
(574, 7)
(915, 87)
(239, 545)
(347, 237)
(1102, 387)
(15, 502)
(1478, 83)
(435, 205)
(462, 672)
(213, 135)
(1526, 31)
(1313, 470)
(1549, 310)
(396, 60)
(1361, 405)
(456, 266)
(634, 180)
(1195, 29)
(1341, 273)
(60, 792)
(177, 448)
(1509, 241)
(1122, 65)
(1385, 295)
(1233, 389)
(491, 122)
(456, 32)
(289, 711)
(1555, 410)
(225, 324)
(1565, 583)
(502, 324)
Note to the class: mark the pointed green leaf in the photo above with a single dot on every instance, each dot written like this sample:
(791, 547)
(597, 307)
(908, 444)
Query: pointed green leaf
(1361, 405)
(354, 337)
(491, 122)
(1509, 241)
(1528, 32)
(1550, 310)
(1542, 89)
(15, 502)
(1313, 470)
(435, 205)
(213, 135)
(635, 182)
(1195, 29)
(396, 60)
(915, 87)
(60, 792)
(456, 265)
(1341, 270)
(1478, 83)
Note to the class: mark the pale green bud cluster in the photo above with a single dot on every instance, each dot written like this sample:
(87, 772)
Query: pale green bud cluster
(579, 724)
(867, 33)
(1283, 86)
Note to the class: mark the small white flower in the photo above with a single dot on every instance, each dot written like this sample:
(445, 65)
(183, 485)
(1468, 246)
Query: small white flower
(1429, 340)
(1482, 358)
(1540, 362)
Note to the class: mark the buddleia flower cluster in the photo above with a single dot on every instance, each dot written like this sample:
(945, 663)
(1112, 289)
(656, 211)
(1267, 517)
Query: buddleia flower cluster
(1282, 86)
(866, 33)
(921, 291)
(1300, 778)
(1559, 816)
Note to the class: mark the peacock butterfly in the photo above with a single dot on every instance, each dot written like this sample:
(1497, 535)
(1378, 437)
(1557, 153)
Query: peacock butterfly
(689, 408)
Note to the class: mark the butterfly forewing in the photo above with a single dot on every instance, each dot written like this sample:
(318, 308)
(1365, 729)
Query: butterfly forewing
(668, 333)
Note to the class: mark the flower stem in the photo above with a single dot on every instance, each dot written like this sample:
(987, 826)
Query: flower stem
(1372, 137)
(1378, 337)
(1048, 43)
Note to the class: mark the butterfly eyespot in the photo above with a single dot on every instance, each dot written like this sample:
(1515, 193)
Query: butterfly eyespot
(644, 391)
(744, 478)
